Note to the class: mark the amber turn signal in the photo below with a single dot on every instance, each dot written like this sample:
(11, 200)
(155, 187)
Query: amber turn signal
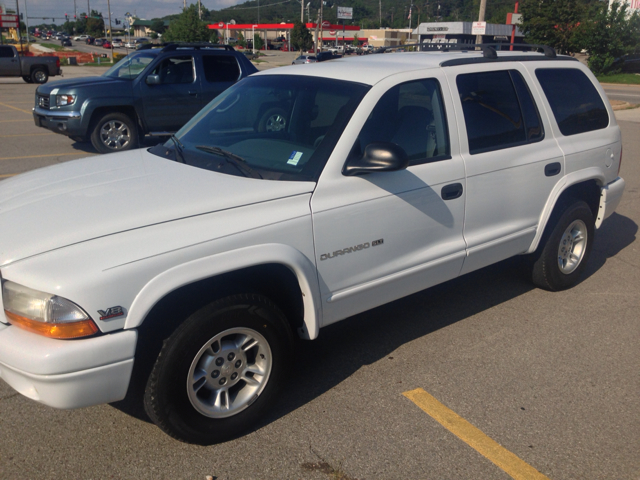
(83, 328)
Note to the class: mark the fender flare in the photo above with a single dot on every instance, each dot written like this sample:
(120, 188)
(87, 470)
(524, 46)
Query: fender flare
(207, 267)
(591, 173)
(90, 105)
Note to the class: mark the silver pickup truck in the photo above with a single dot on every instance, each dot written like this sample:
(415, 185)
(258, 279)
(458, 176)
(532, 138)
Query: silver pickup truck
(31, 69)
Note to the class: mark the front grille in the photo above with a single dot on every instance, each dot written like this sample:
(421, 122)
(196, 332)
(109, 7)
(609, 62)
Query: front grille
(42, 101)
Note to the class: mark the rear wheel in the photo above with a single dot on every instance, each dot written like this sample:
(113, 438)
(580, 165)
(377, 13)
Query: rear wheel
(39, 76)
(273, 120)
(219, 371)
(115, 132)
(564, 255)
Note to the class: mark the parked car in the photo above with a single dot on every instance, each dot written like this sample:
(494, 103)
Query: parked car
(304, 59)
(324, 56)
(31, 69)
(295, 199)
(151, 90)
(98, 42)
(628, 63)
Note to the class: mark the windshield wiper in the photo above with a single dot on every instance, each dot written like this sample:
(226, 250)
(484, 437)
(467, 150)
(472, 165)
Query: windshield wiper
(178, 148)
(235, 160)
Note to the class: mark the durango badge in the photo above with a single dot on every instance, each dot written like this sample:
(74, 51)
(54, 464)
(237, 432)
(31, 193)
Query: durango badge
(111, 313)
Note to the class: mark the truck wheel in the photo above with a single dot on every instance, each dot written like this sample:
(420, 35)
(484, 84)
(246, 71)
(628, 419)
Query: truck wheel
(115, 132)
(565, 252)
(220, 370)
(27, 79)
(39, 76)
(273, 120)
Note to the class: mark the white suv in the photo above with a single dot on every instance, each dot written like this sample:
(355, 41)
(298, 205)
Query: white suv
(295, 199)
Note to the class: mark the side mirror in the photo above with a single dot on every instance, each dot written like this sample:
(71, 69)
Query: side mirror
(153, 80)
(378, 157)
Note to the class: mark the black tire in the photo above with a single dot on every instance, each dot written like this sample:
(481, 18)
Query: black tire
(273, 120)
(564, 251)
(182, 406)
(115, 132)
(27, 79)
(39, 75)
(78, 139)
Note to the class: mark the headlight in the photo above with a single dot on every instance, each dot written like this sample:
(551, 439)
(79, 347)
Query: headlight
(65, 100)
(44, 313)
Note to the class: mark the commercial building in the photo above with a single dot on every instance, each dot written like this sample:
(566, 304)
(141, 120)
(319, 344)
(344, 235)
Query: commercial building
(461, 32)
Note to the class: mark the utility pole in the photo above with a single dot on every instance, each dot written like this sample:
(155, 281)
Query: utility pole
(380, 11)
(483, 8)
(110, 29)
(199, 10)
(19, 34)
(26, 18)
(321, 22)
(301, 11)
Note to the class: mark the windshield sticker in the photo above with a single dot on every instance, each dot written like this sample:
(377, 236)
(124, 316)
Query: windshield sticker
(294, 158)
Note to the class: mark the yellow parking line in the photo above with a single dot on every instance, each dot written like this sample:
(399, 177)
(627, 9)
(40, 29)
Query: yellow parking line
(12, 121)
(48, 155)
(15, 108)
(503, 458)
(8, 175)
(27, 135)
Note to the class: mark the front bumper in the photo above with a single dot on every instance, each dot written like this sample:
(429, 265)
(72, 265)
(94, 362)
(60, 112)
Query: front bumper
(67, 373)
(64, 122)
(610, 196)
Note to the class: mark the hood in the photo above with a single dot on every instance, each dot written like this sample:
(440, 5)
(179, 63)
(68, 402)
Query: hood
(89, 198)
(69, 83)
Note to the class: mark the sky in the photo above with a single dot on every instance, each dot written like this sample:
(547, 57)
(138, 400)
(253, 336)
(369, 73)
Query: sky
(147, 9)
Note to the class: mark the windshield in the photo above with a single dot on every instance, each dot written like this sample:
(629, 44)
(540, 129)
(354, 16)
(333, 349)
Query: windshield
(130, 66)
(283, 127)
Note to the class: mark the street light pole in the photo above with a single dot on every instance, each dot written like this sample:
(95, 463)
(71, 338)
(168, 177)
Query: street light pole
(110, 29)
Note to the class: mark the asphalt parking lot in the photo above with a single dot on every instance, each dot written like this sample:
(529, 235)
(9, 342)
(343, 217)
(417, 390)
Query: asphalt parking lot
(484, 377)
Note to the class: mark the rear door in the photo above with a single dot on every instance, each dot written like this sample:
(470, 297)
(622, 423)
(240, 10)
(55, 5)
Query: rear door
(9, 62)
(511, 157)
(172, 103)
(220, 71)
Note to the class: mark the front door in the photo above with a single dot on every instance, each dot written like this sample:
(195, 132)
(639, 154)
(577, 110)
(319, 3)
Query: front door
(384, 235)
(172, 103)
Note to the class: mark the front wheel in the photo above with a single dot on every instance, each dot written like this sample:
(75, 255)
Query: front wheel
(564, 255)
(115, 132)
(273, 120)
(220, 370)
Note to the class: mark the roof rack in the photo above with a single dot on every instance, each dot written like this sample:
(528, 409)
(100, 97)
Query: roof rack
(168, 47)
(488, 49)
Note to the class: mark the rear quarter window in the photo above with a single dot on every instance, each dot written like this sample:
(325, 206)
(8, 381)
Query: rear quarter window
(575, 102)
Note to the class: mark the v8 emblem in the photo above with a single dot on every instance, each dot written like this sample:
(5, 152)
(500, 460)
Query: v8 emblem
(111, 313)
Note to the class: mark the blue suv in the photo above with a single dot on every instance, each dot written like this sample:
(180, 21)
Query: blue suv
(151, 90)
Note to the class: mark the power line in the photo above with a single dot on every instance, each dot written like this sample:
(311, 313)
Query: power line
(252, 8)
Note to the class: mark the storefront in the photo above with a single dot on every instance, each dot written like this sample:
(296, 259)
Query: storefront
(461, 32)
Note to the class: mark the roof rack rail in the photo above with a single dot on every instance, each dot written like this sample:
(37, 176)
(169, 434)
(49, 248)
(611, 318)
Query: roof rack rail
(168, 47)
(488, 49)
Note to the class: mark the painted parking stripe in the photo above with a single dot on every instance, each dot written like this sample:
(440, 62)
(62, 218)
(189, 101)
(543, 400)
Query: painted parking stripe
(26, 135)
(13, 121)
(7, 175)
(49, 155)
(16, 108)
(475, 438)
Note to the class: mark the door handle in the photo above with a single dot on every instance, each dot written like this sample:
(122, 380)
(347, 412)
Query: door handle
(451, 191)
(195, 94)
(552, 169)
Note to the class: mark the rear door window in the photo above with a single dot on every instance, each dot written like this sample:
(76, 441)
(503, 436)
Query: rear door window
(575, 102)
(220, 68)
(499, 111)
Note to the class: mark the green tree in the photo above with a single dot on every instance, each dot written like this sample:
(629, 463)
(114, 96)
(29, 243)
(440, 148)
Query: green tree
(553, 23)
(214, 37)
(95, 24)
(356, 40)
(258, 43)
(301, 38)
(157, 25)
(187, 27)
(608, 34)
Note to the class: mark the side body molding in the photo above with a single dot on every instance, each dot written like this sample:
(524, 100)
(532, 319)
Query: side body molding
(591, 173)
(213, 265)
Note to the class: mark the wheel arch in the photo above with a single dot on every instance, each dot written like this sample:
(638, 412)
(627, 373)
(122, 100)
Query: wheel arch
(97, 111)
(39, 66)
(583, 185)
(279, 272)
